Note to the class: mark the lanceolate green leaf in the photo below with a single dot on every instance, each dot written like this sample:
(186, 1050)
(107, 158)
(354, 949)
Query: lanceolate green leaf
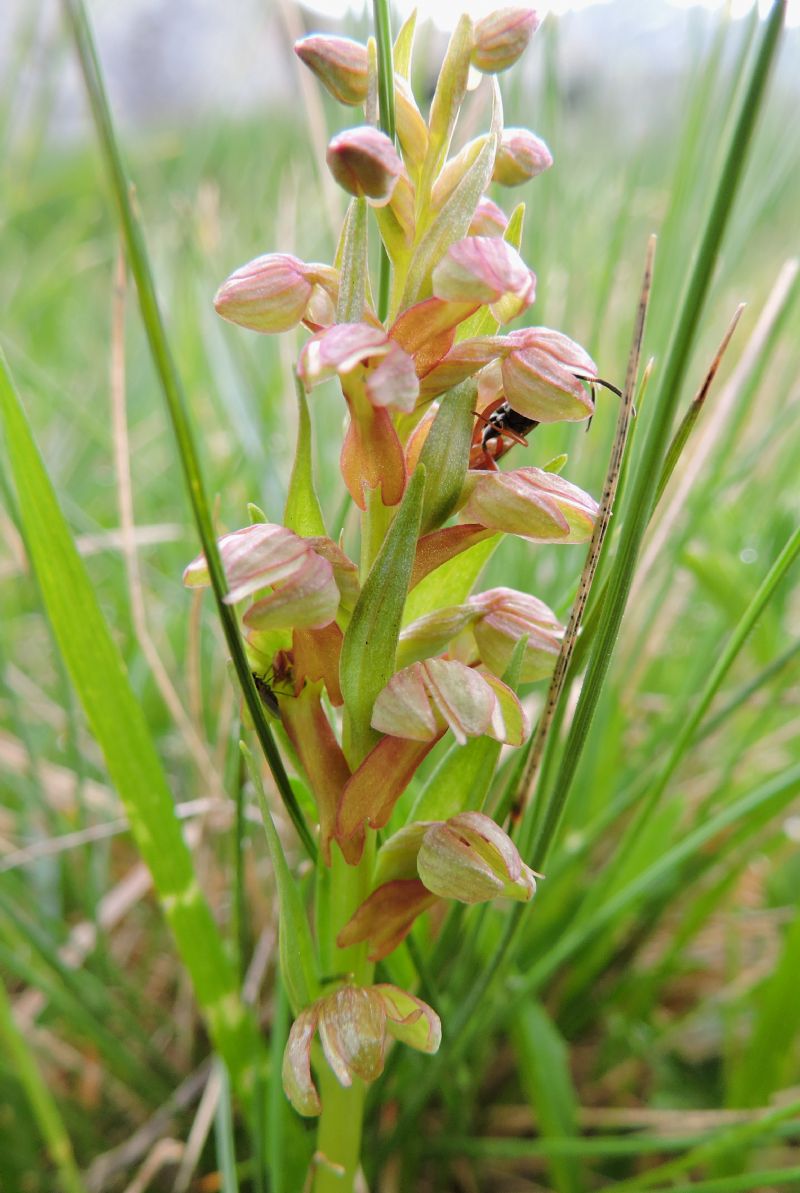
(353, 280)
(303, 514)
(298, 962)
(453, 220)
(446, 454)
(449, 95)
(115, 717)
(370, 644)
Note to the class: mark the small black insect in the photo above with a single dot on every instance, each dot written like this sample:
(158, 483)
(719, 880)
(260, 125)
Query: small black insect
(507, 424)
(268, 697)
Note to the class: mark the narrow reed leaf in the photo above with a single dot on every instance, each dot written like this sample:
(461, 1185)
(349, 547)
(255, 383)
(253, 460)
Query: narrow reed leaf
(724, 1141)
(383, 36)
(686, 426)
(223, 1135)
(297, 954)
(445, 454)
(303, 514)
(553, 808)
(768, 1060)
(43, 1105)
(115, 717)
(370, 643)
(276, 1109)
(543, 1062)
(685, 732)
(642, 496)
(743, 694)
(136, 252)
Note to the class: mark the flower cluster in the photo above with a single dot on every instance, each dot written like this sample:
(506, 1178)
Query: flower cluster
(436, 394)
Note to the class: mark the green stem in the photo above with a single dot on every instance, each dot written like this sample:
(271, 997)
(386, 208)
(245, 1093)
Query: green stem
(340, 1124)
(383, 36)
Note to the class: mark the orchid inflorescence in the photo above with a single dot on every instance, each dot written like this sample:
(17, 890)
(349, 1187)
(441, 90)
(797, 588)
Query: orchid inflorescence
(366, 693)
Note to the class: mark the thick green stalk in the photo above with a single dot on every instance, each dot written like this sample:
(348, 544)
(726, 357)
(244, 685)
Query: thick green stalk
(172, 386)
(341, 1122)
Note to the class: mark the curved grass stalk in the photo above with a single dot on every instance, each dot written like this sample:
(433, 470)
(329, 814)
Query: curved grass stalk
(169, 377)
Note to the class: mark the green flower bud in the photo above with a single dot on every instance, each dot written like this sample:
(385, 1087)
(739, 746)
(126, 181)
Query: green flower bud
(521, 156)
(471, 859)
(502, 38)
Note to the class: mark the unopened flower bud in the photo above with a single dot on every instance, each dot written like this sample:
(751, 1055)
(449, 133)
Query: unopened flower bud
(365, 163)
(340, 64)
(420, 701)
(542, 375)
(488, 220)
(531, 503)
(353, 1023)
(263, 556)
(268, 294)
(520, 157)
(471, 859)
(505, 616)
(488, 270)
(502, 38)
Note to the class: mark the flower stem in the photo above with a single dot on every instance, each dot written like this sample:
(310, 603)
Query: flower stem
(339, 1132)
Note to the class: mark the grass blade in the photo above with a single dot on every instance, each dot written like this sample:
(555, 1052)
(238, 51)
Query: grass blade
(169, 377)
(42, 1103)
(544, 1071)
(645, 483)
(115, 717)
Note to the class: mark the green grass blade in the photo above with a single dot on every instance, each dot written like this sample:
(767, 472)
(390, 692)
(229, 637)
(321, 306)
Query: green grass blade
(543, 1062)
(276, 1108)
(223, 1135)
(298, 958)
(645, 483)
(685, 733)
(169, 377)
(768, 1058)
(43, 1105)
(115, 717)
(724, 1141)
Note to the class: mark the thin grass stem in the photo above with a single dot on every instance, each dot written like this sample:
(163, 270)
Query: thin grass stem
(172, 386)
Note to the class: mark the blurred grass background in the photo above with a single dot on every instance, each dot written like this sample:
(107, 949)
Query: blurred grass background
(683, 1013)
